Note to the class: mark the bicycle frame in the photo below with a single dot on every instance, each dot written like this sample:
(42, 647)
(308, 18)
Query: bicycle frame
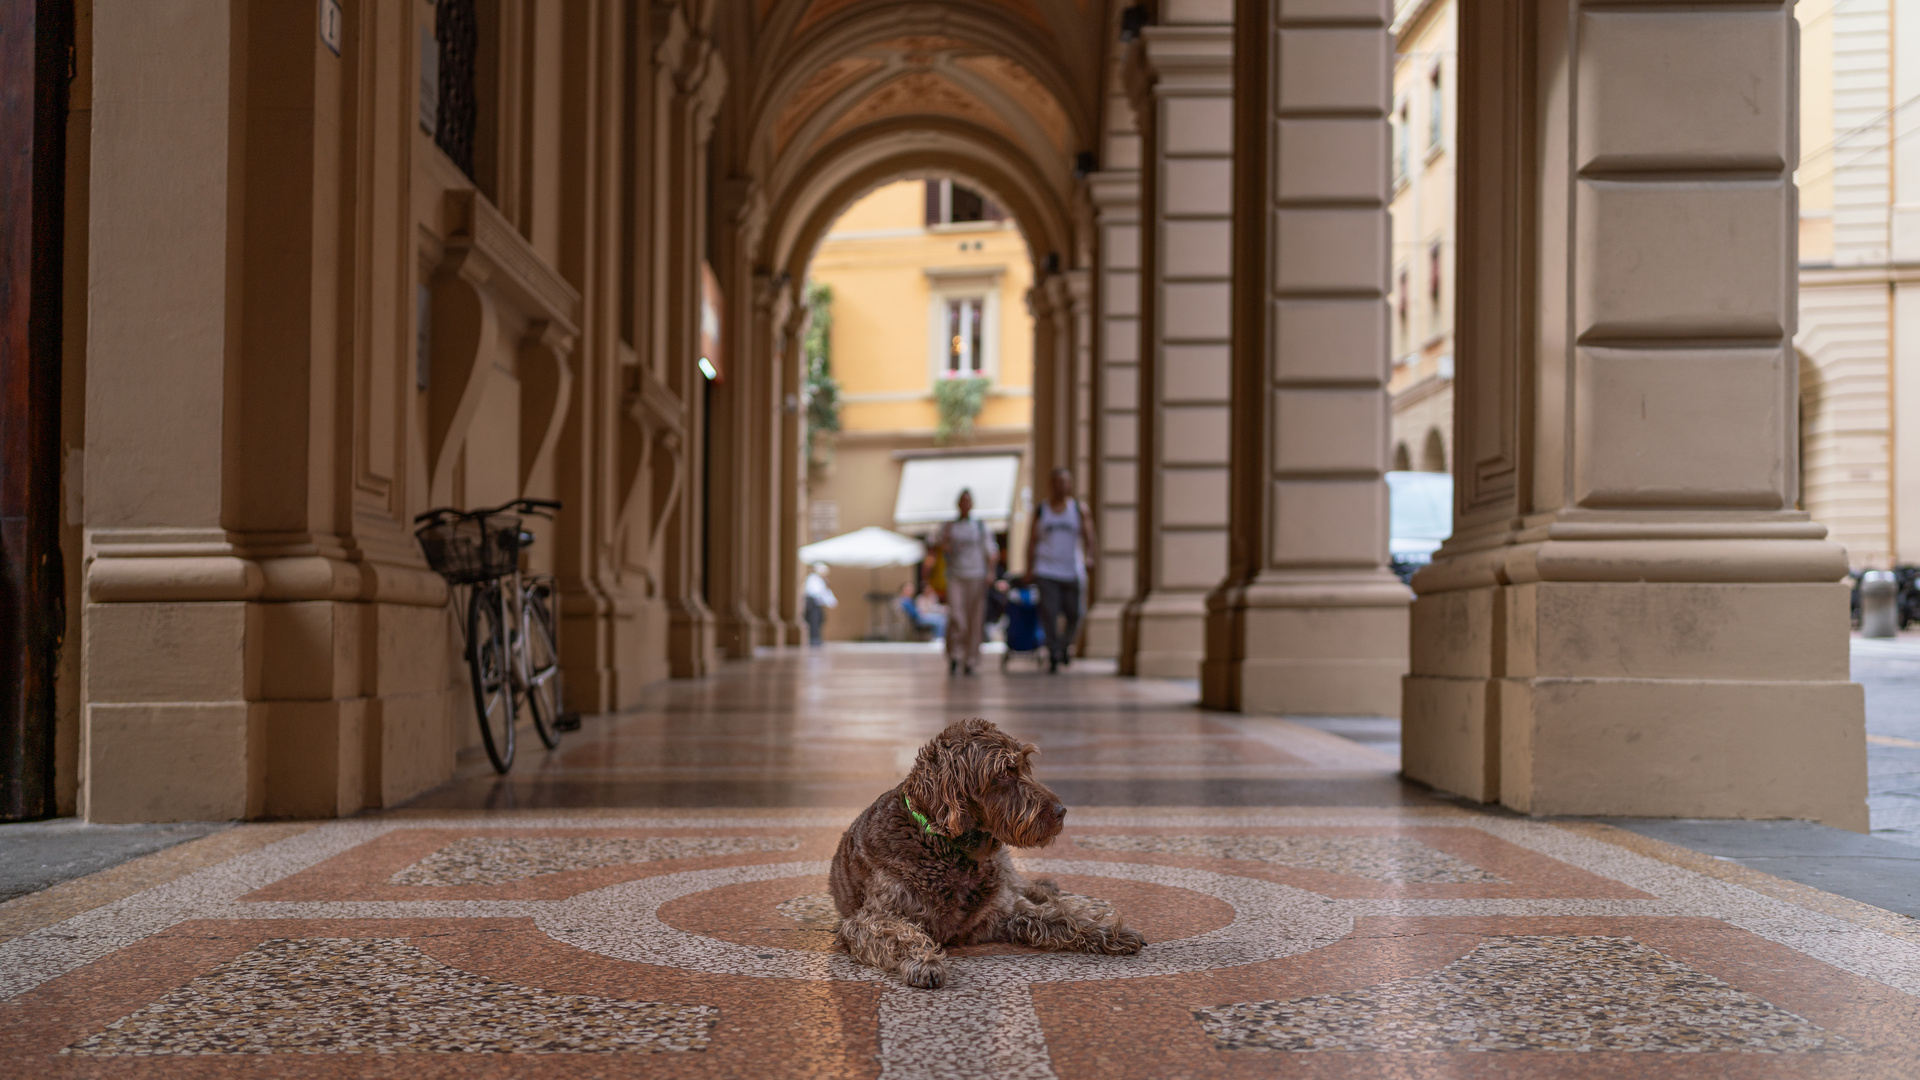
(521, 679)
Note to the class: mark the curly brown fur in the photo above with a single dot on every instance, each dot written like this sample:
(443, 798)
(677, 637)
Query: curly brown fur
(904, 891)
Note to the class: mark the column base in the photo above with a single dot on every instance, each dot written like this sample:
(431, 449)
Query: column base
(736, 632)
(1164, 636)
(588, 645)
(1725, 700)
(1100, 635)
(1308, 645)
(1671, 748)
(690, 639)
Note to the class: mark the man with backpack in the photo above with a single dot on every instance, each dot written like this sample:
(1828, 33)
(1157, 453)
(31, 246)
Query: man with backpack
(1059, 550)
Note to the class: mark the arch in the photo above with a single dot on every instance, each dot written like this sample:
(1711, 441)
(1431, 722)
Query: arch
(1402, 460)
(795, 58)
(805, 208)
(1433, 452)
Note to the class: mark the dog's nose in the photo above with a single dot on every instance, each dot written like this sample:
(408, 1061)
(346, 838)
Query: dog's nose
(1059, 811)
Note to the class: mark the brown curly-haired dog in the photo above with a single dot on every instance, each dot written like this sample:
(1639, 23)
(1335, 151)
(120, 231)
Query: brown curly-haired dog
(927, 865)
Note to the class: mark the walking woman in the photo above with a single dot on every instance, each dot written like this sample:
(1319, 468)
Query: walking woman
(1058, 553)
(971, 553)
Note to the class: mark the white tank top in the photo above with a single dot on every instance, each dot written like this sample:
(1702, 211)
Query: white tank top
(1057, 557)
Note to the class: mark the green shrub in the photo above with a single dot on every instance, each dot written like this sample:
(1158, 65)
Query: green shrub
(959, 401)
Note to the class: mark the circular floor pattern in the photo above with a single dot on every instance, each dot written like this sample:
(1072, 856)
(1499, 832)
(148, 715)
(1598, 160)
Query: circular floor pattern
(724, 921)
(761, 913)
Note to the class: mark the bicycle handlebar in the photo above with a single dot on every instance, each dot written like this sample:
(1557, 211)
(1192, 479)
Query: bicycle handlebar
(537, 507)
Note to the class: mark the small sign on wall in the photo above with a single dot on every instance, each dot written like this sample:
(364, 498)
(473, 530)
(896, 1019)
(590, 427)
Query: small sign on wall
(330, 28)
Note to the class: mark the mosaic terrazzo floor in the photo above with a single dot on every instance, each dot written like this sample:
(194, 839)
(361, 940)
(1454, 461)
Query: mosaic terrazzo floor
(1285, 942)
(1374, 933)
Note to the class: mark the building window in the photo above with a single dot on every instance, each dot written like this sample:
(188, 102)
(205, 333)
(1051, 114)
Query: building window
(1433, 276)
(949, 203)
(963, 322)
(1401, 138)
(457, 108)
(1436, 113)
(1400, 303)
(966, 333)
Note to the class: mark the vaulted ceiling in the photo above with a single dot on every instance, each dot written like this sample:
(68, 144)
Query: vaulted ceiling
(1021, 78)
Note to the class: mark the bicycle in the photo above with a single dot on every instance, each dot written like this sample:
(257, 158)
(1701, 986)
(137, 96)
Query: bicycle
(512, 641)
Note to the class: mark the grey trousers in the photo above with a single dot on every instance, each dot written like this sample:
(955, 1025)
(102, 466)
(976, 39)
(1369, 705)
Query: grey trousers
(1059, 603)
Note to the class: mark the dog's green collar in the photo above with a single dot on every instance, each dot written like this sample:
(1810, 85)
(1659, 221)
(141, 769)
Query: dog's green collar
(918, 817)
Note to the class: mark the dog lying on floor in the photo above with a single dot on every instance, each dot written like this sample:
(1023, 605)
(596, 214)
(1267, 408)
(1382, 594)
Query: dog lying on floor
(927, 864)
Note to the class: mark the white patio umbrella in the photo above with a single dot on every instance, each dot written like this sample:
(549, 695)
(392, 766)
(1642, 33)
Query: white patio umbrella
(872, 547)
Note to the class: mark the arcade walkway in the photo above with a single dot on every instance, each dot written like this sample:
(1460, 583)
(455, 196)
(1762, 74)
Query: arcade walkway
(649, 901)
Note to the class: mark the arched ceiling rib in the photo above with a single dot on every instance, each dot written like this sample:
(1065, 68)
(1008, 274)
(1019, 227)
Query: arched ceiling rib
(889, 150)
(1006, 66)
(846, 95)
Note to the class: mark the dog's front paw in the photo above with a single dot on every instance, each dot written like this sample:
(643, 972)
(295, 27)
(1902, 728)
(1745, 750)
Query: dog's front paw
(924, 974)
(1121, 941)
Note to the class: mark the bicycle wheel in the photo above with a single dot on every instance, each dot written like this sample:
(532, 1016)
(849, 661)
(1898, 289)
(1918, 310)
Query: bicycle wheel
(489, 663)
(540, 687)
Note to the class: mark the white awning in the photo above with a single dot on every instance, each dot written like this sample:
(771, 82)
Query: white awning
(929, 486)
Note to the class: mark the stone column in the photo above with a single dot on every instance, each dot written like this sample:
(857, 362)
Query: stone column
(1114, 482)
(792, 473)
(736, 502)
(690, 81)
(1631, 618)
(1310, 620)
(1079, 289)
(172, 728)
(236, 654)
(1048, 333)
(773, 502)
(1062, 296)
(1180, 78)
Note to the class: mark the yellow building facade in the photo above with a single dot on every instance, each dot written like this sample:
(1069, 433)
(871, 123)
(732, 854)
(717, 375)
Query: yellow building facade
(1425, 65)
(908, 282)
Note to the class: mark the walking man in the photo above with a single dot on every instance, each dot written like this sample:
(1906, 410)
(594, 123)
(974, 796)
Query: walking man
(818, 599)
(1059, 550)
(971, 553)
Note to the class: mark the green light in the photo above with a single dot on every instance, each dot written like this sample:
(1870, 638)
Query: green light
(707, 369)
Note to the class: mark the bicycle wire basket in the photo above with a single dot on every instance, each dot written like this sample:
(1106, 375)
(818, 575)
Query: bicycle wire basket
(466, 550)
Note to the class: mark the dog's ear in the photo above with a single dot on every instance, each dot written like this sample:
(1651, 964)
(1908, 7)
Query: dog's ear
(942, 783)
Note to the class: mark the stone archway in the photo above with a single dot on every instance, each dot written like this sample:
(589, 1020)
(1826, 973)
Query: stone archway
(1433, 452)
(858, 97)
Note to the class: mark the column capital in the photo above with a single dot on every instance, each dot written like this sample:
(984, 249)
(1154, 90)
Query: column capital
(1078, 283)
(1114, 193)
(1174, 61)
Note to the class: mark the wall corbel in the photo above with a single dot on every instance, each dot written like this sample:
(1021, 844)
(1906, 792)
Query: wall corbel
(546, 390)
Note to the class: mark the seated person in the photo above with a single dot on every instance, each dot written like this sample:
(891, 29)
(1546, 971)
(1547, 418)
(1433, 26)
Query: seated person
(924, 613)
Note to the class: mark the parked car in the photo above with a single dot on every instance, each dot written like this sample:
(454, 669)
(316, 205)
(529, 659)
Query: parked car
(1419, 518)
